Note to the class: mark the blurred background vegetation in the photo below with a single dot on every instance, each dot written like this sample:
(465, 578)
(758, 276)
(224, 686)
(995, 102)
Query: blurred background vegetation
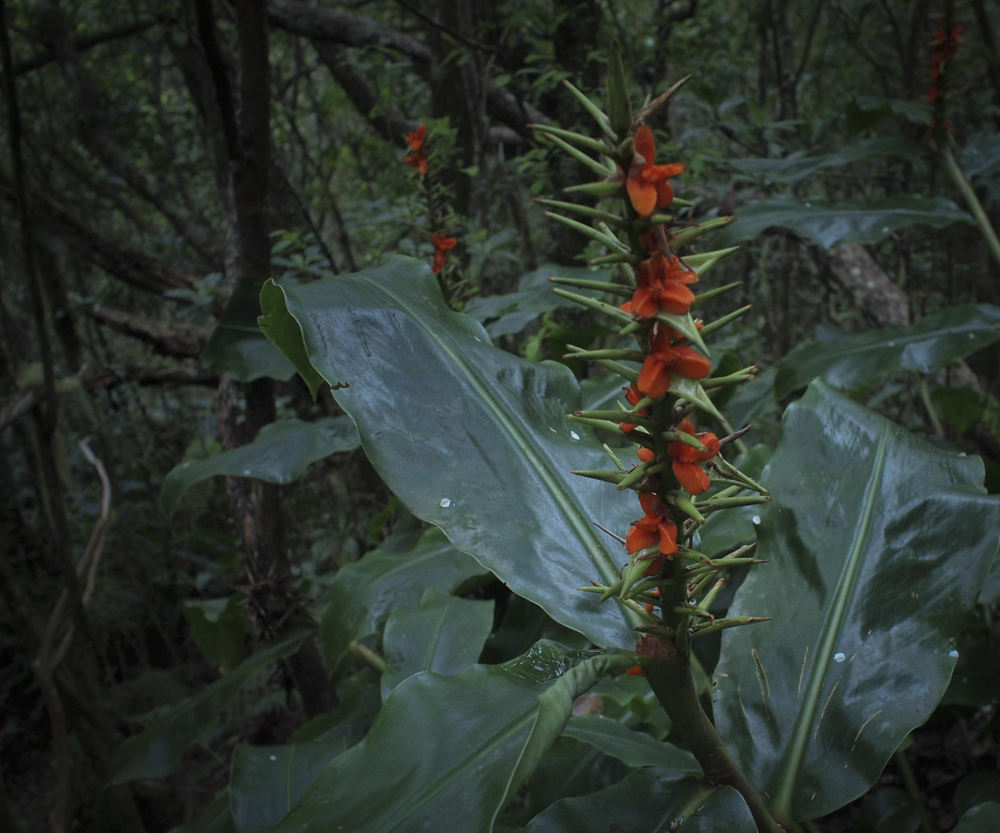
(161, 158)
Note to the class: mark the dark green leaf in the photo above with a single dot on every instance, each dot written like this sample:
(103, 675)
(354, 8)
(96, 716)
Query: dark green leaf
(570, 768)
(237, 347)
(445, 635)
(631, 747)
(360, 702)
(265, 782)
(981, 156)
(876, 546)
(506, 315)
(961, 408)
(218, 628)
(982, 819)
(280, 454)
(471, 438)
(523, 625)
(834, 225)
(649, 801)
(976, 679)
(447, 753)
(158, 749)
(217, 818)
(855, 361)
(975, 789)
(365, 592)
(889, 810)
(796, 167)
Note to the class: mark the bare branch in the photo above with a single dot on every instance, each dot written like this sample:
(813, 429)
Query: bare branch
(169, 338)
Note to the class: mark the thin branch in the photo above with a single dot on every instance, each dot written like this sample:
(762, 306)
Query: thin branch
(446, 29)
(82, 44)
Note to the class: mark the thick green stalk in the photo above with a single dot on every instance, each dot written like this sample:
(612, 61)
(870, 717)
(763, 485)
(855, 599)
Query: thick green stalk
(976, 207)
(672, 681)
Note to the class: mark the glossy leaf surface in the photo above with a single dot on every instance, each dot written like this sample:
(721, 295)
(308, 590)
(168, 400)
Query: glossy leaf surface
(281, 453)
(834, 225)
(444, 635)
(649, 801)
(629, 746)
(854, 361)
(472, 439)
(158, 749)
(265, 782)
(446, 753)
(218, 628)
(394, 576)
(876, 546)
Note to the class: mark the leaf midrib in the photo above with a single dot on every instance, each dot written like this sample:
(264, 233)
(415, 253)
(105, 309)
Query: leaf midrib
(523, 442)
(829, 635)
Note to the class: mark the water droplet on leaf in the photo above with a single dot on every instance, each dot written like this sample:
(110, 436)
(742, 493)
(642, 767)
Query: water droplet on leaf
(574, 435)
(953, 654)
(839, 657)
(756, 519)
(445, 503)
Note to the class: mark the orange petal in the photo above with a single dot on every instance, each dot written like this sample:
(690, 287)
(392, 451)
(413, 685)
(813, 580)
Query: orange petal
(645, 145)
(638, 538)
(668, 537)
(664, 195)
(675, 298)
(691, 477)
(643, 197)
(654, 377)
(689, 364)
(635, 671)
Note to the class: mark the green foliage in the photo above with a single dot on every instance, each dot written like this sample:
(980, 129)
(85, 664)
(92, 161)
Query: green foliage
(281, 453)
(469, 437)
(879, 561)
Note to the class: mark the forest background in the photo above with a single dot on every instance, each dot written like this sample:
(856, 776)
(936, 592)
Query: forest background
(161, 160)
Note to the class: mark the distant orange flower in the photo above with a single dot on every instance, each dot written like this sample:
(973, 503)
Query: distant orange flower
(647, 184)
(415, 140)
(441, 243)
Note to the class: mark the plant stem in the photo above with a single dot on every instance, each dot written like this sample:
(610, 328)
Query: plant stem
(910, 782)
(670, 677)
(955, 172)
(925, 396)
(367, 655)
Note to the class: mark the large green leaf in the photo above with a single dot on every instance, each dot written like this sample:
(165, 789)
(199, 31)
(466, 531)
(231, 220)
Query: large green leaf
(445, 635)
(855, 361)
(834, 225)
(629, 746)
(265, 782)
(649, 801)
(219, 629)
(216, 818)
(158, 749)
(447, 753)
(472, 439)
(394, 576)
(281, 452)
(798, 166)
(876, 546)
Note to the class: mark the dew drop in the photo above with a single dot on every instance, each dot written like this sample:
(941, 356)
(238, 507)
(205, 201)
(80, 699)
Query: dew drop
(972, 335)
(953, 654)
(839, 657)
(246, 472)
(756, 519)
(445, 503)
(890, 343)
(272, 757)
(885, 229)
(574, 435)
(808, 205)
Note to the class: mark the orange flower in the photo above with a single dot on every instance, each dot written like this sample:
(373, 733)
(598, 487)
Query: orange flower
(415, 140)
(665, 358)
(633, 397)
(655, 527)
(689, 474)
(661, 284)
(647, 184)
(441, 244)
